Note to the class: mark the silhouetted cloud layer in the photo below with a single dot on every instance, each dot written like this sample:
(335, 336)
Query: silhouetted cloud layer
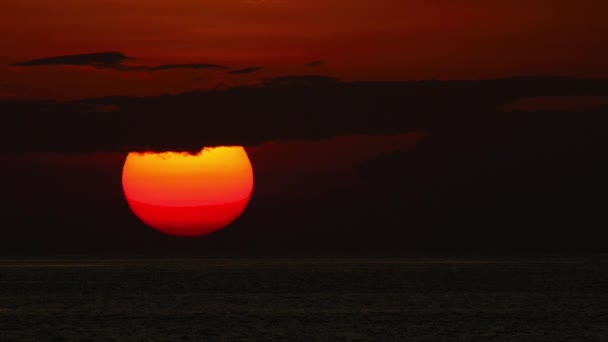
(290, 107)
(109, 60)
(476, 178)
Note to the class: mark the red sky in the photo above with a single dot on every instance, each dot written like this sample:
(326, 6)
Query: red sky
(358, 39)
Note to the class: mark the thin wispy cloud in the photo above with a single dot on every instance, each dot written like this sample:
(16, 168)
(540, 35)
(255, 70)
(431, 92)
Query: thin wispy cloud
(245, 70)
(315, 63)
(110, 60)
(172, 66)
(97, 60)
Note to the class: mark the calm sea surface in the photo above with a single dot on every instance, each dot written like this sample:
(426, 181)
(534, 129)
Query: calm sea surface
(181, 299)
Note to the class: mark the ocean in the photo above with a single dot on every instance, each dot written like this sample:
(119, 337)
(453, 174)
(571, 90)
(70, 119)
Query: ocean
(548, 298)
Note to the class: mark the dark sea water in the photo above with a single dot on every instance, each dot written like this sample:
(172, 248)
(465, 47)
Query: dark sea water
(182, 299)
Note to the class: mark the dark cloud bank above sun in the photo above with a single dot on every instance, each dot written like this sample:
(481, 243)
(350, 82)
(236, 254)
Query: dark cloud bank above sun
(289, 107)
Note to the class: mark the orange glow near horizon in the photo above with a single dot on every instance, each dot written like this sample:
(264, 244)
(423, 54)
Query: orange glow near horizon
(188, 195)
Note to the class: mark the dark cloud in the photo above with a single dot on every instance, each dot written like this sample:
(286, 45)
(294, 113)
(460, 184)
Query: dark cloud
(289, 107)
(106, 108)
(246, 70)
(299, 80)
(315, 63)
(110, 60)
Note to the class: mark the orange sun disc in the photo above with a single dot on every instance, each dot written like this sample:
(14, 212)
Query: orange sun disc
(188, 195)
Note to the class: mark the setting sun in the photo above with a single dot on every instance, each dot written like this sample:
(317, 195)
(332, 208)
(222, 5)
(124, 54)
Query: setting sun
(188, 195)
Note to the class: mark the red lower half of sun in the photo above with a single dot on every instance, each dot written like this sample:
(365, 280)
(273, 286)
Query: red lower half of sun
(188, 221)
(188, 195)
